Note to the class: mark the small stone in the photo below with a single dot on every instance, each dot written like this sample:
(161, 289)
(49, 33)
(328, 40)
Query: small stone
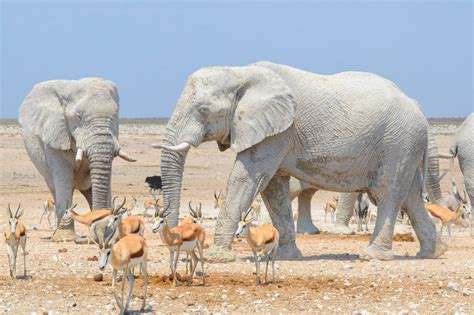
(74, 304)
(468, 292)
(92, 258)
(99, 277)
(62, 250)
(109, 307)
(453, 286)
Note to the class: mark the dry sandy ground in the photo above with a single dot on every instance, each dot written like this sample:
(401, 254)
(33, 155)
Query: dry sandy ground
(330, 278)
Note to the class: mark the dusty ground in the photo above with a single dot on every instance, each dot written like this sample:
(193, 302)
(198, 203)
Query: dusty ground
(329, 278)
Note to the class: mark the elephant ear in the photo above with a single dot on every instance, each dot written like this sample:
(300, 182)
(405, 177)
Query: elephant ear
(42, 114)
(265, 107)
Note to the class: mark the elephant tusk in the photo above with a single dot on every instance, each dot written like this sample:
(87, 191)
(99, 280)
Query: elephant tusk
(125, 156)
(79, 155)
(445, 156)
(182, 147)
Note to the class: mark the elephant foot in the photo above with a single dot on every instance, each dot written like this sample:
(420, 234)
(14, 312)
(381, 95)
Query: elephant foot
(440, 249)
(309, 228)
(217, 254)
(288, 252)
(339, 228)
(376, 252)
(63, 235)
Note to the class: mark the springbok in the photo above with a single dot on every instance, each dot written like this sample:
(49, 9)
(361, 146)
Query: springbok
(129, 252)
(96, 217)
(263, 241)
(196, 215)
(256, 205)
(122, 226)
(15, 235)
(49, 208)
(197, 218)
(152, 204)
(361, 207)
(448, 217)
(185, 237)
(330, 207)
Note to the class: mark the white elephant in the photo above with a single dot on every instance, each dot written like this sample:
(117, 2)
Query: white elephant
(70, 131)
(463, 149)
(346, 132)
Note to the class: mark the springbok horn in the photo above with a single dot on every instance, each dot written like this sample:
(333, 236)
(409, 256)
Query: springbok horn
(79, 155)
(165, 212)
(117, 209)
(215, 194)
(193, 213)
(113, 202)
(247, 213)
(10, 211)
(122, 154)
(16, 212)
(465, 196)
(182, 147)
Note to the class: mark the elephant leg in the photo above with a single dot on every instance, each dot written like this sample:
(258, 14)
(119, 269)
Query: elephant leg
(389, 199)
(305, 224)
(63, 179)
(252, 171)
(431, 244)
(380, 246)
(276, 197)
(344, 213)
(466, 164)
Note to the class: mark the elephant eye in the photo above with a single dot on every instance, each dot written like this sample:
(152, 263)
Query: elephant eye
(78, 116)
(204, 110)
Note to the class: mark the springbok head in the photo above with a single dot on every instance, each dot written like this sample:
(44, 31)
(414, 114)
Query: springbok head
(218, 200)
(13, 219)
(196, 213)
(160, 216)
(244, 223)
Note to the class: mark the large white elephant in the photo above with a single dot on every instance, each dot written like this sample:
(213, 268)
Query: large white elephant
(70, 131)
(346, 132)
(463, 149)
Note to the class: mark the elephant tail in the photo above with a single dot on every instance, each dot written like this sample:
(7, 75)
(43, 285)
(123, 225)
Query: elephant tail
(425, 169)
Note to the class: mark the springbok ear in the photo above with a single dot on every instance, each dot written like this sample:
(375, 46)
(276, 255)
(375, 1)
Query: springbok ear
(42, 113)
(265, 107)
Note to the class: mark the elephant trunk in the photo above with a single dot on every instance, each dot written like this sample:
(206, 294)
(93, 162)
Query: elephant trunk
(172, 167)
(100, 163)
(432, 177)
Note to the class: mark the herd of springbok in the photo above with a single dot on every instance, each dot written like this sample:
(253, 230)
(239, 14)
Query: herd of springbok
(119, 235)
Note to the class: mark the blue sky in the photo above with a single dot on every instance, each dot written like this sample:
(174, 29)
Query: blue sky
(150, 47)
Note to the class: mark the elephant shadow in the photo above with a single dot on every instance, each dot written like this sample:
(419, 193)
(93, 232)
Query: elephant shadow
(349, 257)
(336, 257)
